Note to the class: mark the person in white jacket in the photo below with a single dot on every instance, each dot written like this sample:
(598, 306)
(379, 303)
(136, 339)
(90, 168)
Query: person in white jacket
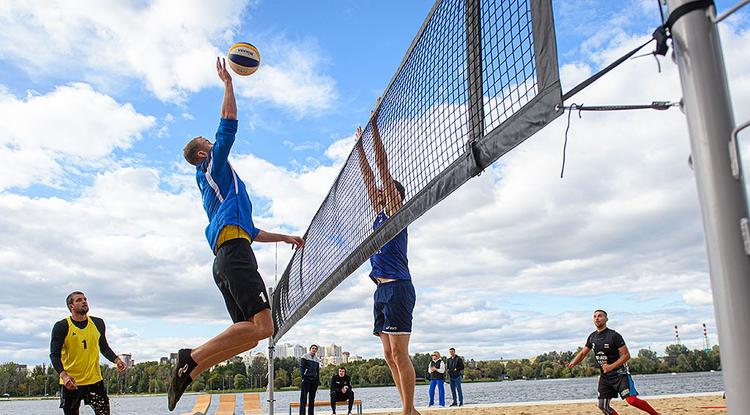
(436, 371)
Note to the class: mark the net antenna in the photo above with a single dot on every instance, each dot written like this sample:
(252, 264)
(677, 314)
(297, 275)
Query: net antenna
(479, 78)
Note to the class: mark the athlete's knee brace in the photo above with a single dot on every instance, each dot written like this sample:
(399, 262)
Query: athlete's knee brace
(605, 408)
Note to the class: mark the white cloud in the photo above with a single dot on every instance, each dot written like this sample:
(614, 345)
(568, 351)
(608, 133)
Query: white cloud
(697, 296)
(45, 136)
(290, 76)
(170, 45)
(340, 149)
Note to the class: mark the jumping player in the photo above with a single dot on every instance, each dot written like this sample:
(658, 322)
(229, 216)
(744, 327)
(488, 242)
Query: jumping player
(611, 355)
(76, 343)
(394, 296)
(230, 232)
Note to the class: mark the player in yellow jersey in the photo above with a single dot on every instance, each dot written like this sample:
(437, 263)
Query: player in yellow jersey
(76, 343)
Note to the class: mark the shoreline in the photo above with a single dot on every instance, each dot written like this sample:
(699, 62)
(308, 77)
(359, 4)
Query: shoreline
(381, 410)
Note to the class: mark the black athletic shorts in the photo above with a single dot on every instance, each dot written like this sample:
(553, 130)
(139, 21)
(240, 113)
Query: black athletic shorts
(236, 275)
(94, 395)
(610, 386)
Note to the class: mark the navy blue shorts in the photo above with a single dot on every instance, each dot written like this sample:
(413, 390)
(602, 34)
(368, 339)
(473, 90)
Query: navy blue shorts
(393, 307)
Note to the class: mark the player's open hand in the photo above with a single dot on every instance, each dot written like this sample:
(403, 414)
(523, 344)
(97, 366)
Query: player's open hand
(221, 69)
(376, 109)
(295, 241)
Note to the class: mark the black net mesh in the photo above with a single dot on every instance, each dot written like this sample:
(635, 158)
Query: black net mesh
(425, 123)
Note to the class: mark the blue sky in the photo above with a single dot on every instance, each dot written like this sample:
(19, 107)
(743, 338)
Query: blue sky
(98, 98)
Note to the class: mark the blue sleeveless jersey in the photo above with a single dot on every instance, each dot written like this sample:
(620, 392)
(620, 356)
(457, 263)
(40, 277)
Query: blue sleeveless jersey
(390, 261)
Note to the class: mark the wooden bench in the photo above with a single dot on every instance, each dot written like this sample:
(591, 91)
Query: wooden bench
(226, 405)
(251, 404)
(202, 402)
(357, 403)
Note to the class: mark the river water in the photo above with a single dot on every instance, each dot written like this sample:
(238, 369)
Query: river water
(387, 397)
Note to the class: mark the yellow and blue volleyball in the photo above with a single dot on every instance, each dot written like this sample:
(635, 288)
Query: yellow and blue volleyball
(243, 58)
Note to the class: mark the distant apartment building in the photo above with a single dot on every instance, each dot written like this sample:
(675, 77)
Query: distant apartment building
(173, 358)
(298, 351)
(127, 358)
(163, 360)
(280, 351)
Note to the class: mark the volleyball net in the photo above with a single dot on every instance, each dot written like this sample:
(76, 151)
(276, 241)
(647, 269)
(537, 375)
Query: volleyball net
(480, 77)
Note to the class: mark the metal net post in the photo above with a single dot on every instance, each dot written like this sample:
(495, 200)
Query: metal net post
(721, 193)
(271, 400)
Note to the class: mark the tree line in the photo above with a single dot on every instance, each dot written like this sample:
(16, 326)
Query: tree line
(234, 375)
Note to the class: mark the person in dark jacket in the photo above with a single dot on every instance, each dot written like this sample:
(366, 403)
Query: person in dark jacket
(455, 373)
(309, 369)
(341, 390)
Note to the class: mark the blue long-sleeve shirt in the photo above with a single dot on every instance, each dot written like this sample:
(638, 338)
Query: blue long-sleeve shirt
(225, 197)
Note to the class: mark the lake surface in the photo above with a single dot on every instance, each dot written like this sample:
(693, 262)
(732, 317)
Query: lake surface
(387, 397)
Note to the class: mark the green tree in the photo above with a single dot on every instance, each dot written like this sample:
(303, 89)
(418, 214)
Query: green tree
(363, 374)
(296, 377)
(281, 378)
(379, 375)
(493, 369)
(240, 381)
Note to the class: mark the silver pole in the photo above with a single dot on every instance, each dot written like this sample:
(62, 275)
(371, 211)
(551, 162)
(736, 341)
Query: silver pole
(271, 400)
(722, 198)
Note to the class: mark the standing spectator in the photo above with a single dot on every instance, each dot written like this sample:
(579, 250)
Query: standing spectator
(437, 377)
(455, 373)
(341, 390)
(309, 368)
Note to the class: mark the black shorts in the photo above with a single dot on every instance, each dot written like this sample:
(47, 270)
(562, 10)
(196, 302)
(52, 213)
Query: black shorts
(236, 275)
(610, 386)
(94, 395)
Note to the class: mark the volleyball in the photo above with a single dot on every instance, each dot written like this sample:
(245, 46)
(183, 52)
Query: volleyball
(243, 58)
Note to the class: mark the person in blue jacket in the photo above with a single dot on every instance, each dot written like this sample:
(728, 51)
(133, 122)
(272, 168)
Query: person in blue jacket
(230, 233)
(309, 369)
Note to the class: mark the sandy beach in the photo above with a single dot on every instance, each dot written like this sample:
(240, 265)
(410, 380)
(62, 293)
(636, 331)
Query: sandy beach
(682, 405)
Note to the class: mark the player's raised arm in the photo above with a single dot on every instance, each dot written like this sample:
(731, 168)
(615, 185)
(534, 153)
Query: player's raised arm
(367, 175)
(229, 103)
(393, 197)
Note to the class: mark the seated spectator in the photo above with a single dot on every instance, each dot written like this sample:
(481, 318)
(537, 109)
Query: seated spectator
(341, 390)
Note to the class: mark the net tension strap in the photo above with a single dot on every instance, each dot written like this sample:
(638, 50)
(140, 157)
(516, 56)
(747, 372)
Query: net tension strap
(660, 35)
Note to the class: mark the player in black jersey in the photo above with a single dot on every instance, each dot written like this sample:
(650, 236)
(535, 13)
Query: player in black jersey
(611, 355)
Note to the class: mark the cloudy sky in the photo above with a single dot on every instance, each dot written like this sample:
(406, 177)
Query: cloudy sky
(97, 99)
